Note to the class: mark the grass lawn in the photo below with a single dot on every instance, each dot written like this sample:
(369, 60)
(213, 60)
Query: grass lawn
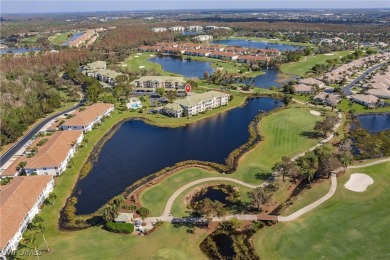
(277, 41)
(96, 243)
(155, 197)
(134, 63)
(32, 39)
(59, 38)
(282, 132)
(345, 107)
(301, 67)
(350, 225)
(179, 208)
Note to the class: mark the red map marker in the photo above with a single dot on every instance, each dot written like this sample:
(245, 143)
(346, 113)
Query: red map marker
(188, 88)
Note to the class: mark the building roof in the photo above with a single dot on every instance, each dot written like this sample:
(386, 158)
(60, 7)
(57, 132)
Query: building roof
(96, 65)
(193, 100)
(124, 217)
(255, 58)
(328, 98)
(368, 99)
(16, 200)
(379, 92)
(302, 88)
(85, 117)
(160, 78)
(311, 81)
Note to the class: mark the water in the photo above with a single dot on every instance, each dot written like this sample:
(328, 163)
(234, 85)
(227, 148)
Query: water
(375, 123)
(74, 37)
(267, 80)
(18, 50)
(255, 44)
(186, 68)
(225, 245)
(213, 194)
(137, 150)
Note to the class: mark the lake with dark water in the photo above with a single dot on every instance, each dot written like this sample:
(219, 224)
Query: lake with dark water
(256, 44)
(375, 123)
(267, 80)
(138, 149)
(187, 68)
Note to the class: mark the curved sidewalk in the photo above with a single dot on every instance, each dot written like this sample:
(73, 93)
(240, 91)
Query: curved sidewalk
(313, 205)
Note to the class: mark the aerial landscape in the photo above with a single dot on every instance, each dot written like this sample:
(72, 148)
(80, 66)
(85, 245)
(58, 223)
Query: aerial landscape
(195, 129)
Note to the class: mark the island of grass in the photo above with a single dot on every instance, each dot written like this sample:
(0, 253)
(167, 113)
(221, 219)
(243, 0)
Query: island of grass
(60, 38)
(349, 225)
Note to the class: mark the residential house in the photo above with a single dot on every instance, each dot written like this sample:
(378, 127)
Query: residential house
(124, 217)
(86, 117)
(52, 157)
(312, 82)
(194, 52)
(369, 101)
(151, 83)
(303, 89)
(223, 55)
(329, 99)
(194, 104)
(379, 92)
(203, 38)
(20, 202)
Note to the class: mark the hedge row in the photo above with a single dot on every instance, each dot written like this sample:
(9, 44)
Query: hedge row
(126, 228)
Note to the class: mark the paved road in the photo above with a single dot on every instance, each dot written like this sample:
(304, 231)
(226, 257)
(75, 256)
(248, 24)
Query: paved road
(347, 88)
(18, 145)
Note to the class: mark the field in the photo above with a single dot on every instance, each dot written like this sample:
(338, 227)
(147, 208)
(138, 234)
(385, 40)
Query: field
(282, 134)
(134, 63)
(32, 39)
(59, 38)
(348, 226)
(277, 41)
(301, 67)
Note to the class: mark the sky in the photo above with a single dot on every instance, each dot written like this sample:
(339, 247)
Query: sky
(32, 6)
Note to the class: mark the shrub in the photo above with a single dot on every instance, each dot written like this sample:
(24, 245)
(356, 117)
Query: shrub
(126, 228)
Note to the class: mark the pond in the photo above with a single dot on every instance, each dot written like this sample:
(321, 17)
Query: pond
(18, 50)
(224, 243)
(186, 68)
(74, 37)
(271, 78)
(256, 44)
(213, 193)
(375, 123)
(137, 150)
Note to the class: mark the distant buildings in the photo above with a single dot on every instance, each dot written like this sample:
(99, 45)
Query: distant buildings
(20, 202)
(303, 89)
(99, 71)
(196, 103)
(83, 39)
(203, 38)
(329, 99)
(194, 28)
(159, 29)
(177, 29)
(151, 83)
(86, 117)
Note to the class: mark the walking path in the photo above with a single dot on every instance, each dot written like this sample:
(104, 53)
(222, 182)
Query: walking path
(369, 164)
(313, 205)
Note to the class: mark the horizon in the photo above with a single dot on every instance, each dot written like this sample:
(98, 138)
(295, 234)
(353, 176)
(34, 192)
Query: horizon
(90, 6)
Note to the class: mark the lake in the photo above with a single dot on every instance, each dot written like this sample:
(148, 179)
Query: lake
(375, 123)
(270, 78)
(18, 50)
(187, 68)
(74, 37)
(138, 149)
(256, 44)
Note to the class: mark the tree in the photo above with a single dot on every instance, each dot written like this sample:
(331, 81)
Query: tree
(144, 212)
(192, 83)
(171, 95)
(160, 91)
(344, 152)
(286, 167)
(258, 197)
(326, 126)
(308, 165)
(209, 208)
(93, 92)
(20, 167)
(206, 75)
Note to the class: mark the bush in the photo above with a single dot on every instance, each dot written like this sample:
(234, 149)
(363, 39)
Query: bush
(126, 228)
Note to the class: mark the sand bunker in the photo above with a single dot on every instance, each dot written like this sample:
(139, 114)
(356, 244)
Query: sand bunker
(141, 67)
(316, 113)
(124, 65)
(329, 54)
(136, 56)
(151, 55)
(358, 182)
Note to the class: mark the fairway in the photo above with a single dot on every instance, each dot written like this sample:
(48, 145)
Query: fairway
(59, 38)
(303, 66)
(350, 225)
(141, 62)
(282, 136)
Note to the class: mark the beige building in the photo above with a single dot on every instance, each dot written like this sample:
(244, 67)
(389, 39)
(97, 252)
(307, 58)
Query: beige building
(151, 83)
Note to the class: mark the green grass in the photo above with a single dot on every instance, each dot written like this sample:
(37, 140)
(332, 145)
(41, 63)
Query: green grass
(350, 225)
(300, 68)
(155, 197)
(282, 132)
(179, 208)
(277, 41)
(345, 107)
(133, 64)
(32, 39)
(59, 38)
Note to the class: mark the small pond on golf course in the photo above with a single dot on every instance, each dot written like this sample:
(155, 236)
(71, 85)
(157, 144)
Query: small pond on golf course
(374, 123)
